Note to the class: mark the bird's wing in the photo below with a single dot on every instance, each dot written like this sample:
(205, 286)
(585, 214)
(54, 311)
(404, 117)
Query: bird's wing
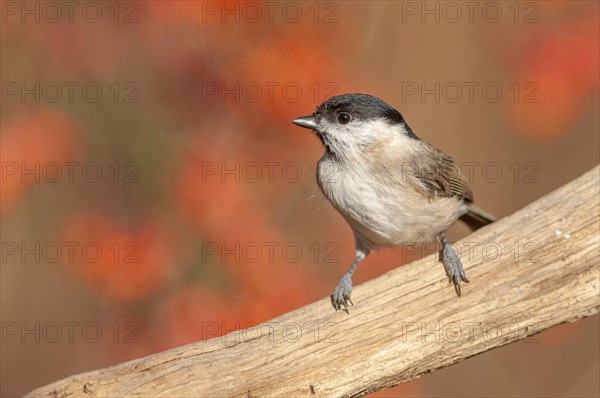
(439, 176)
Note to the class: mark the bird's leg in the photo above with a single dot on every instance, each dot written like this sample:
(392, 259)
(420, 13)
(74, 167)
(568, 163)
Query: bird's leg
(343, 290)
(452, 264)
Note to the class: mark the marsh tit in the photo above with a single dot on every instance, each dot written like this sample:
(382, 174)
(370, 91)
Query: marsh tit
(392, 188)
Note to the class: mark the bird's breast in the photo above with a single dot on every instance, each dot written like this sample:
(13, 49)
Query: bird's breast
(383, 208)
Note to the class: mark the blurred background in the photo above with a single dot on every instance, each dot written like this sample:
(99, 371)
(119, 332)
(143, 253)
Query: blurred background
(154, 192)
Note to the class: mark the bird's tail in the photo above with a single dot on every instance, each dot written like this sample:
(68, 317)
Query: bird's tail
(476, 218)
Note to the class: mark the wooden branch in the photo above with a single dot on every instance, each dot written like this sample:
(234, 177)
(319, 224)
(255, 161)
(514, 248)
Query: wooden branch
(530, 271)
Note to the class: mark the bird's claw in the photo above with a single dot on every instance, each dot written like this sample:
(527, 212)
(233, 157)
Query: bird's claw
(341, 294)
(454, 268)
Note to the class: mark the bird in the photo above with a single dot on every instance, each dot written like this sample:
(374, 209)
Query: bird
(391, 187)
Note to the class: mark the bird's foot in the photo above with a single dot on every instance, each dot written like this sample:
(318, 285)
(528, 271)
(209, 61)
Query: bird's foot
(454, 268)
(341, 295)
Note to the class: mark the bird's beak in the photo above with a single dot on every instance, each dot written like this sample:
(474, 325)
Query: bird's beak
(308, 122)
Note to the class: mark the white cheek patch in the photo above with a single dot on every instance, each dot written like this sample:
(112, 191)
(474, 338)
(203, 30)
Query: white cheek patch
(359, 133)
(380, 129)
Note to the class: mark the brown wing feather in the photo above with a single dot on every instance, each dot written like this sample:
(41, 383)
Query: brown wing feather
(440, 176)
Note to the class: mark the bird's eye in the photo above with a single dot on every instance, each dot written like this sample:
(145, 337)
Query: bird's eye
(344, 117)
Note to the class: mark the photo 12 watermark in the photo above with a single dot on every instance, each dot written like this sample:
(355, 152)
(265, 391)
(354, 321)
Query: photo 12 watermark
(452, 12)
(469, 92)
(275, 333)
(488, 172)
(271, 252)
(454, 332)
(51, 12)
(321, 12)
(69, 252)
(70, 172)
(69, 332)
(266, 91)
(525, 252)
(69, 91)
